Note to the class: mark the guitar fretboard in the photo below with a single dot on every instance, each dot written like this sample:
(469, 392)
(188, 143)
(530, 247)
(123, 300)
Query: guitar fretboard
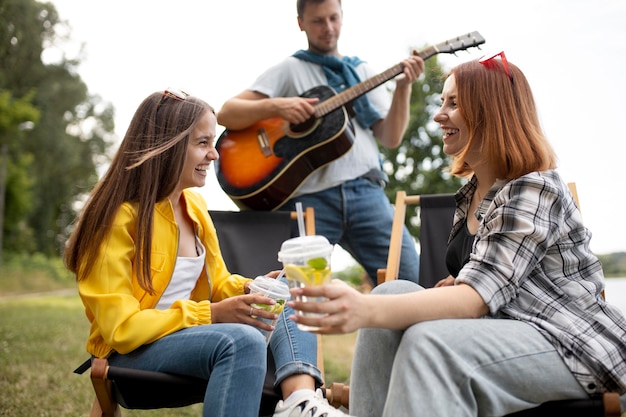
(346, 96)
(357, 90)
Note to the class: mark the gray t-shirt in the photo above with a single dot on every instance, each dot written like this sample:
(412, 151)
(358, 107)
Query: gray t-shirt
(292, 77)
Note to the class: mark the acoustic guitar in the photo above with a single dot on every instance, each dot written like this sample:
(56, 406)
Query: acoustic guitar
(261, 167)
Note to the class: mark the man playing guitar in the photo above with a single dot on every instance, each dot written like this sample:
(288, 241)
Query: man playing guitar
(347, 193)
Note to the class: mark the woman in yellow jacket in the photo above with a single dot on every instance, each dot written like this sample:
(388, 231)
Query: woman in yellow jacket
(151, 276)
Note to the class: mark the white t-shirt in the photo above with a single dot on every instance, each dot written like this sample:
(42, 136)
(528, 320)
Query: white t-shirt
(184, 278)
(292, 77)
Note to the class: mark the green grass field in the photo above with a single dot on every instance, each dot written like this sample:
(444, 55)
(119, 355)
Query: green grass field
(42, 340)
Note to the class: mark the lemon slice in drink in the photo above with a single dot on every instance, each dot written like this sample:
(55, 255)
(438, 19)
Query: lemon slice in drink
(294, 273)
(272, 308)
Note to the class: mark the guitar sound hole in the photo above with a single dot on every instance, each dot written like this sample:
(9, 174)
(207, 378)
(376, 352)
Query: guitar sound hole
(303, 127)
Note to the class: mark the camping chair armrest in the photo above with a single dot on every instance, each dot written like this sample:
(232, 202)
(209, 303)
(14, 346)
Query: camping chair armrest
(612, 404)
(105, 404)
(338, 395)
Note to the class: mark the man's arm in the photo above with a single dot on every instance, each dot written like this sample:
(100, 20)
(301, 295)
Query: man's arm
(250, 107)
(389, 131)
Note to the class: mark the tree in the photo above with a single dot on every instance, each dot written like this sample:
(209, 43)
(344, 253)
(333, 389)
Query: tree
(16, 115)
(418, 165)
(60, 155)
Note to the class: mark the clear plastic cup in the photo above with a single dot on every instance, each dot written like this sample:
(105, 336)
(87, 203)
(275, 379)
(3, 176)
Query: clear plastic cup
(272, 288)
(306, 260)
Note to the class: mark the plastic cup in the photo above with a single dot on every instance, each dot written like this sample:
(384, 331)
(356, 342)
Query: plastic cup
(272, 288)
(306, 260)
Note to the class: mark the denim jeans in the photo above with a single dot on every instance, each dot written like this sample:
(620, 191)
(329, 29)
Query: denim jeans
(231, 356)
(294, 350)
(466, 367)
(228, 356)
(357, 215)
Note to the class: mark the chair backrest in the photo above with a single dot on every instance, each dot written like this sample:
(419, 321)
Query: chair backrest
(436, 215)
(250, 240)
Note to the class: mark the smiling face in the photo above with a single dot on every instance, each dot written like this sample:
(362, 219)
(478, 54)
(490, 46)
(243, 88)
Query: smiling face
(322, 24)
(200, 152)
(455, 131)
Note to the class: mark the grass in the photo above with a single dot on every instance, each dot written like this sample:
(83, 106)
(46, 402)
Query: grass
(42, 340)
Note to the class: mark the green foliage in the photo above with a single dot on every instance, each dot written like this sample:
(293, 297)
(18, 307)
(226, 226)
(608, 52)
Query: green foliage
(16, 116)
(353, 275)
(418, 165)
(53, 165)
(23, 274)
(614, 264)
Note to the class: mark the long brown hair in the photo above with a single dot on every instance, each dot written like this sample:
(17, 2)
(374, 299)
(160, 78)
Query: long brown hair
(145, 170)
(499, 109)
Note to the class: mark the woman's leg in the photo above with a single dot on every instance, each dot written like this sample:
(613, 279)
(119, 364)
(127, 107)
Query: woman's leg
(374, 355)
(294, 351)
(231, 356)
(472, 367)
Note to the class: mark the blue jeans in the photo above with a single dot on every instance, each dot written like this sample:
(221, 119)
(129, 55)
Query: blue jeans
(357, 215)
(467, 367)
(231, 356)
(294, 350)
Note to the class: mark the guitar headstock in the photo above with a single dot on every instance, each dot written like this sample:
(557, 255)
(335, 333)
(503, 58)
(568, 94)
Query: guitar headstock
(460, 43)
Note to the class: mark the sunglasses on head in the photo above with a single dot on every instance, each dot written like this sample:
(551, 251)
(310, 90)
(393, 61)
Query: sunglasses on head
(176, 94)
(485, 60)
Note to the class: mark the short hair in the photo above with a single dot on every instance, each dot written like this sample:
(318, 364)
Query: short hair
(500, 111)
(301, 4)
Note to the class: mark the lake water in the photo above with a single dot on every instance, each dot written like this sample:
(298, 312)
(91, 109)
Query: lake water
(615, 292)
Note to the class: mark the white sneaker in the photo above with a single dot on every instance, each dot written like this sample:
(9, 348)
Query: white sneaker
(309, 406)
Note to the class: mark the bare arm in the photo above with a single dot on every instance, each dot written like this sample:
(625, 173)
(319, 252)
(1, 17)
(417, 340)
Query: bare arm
(389, 131)
(349, 310)
(250, 107)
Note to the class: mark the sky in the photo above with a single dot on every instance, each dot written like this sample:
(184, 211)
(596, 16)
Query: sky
(573, 53)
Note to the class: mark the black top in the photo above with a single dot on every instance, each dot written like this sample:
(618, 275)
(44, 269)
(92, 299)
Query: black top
(459, 250)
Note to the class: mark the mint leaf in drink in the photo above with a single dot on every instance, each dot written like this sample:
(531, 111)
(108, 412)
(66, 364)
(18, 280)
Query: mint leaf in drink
(318, 263)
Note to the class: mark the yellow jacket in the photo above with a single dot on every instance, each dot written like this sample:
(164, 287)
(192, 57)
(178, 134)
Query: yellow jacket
(121, 313)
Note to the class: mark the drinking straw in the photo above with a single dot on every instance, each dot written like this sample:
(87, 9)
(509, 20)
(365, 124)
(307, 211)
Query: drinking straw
(282, 272)
(300, 218)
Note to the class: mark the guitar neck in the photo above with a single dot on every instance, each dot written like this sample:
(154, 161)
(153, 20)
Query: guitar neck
(359, 89)
(450, 46)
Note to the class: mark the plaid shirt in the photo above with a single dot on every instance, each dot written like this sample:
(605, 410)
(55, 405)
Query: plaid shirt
(531, 261)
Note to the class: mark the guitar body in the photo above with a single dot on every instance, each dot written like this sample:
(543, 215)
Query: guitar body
(262, 166)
